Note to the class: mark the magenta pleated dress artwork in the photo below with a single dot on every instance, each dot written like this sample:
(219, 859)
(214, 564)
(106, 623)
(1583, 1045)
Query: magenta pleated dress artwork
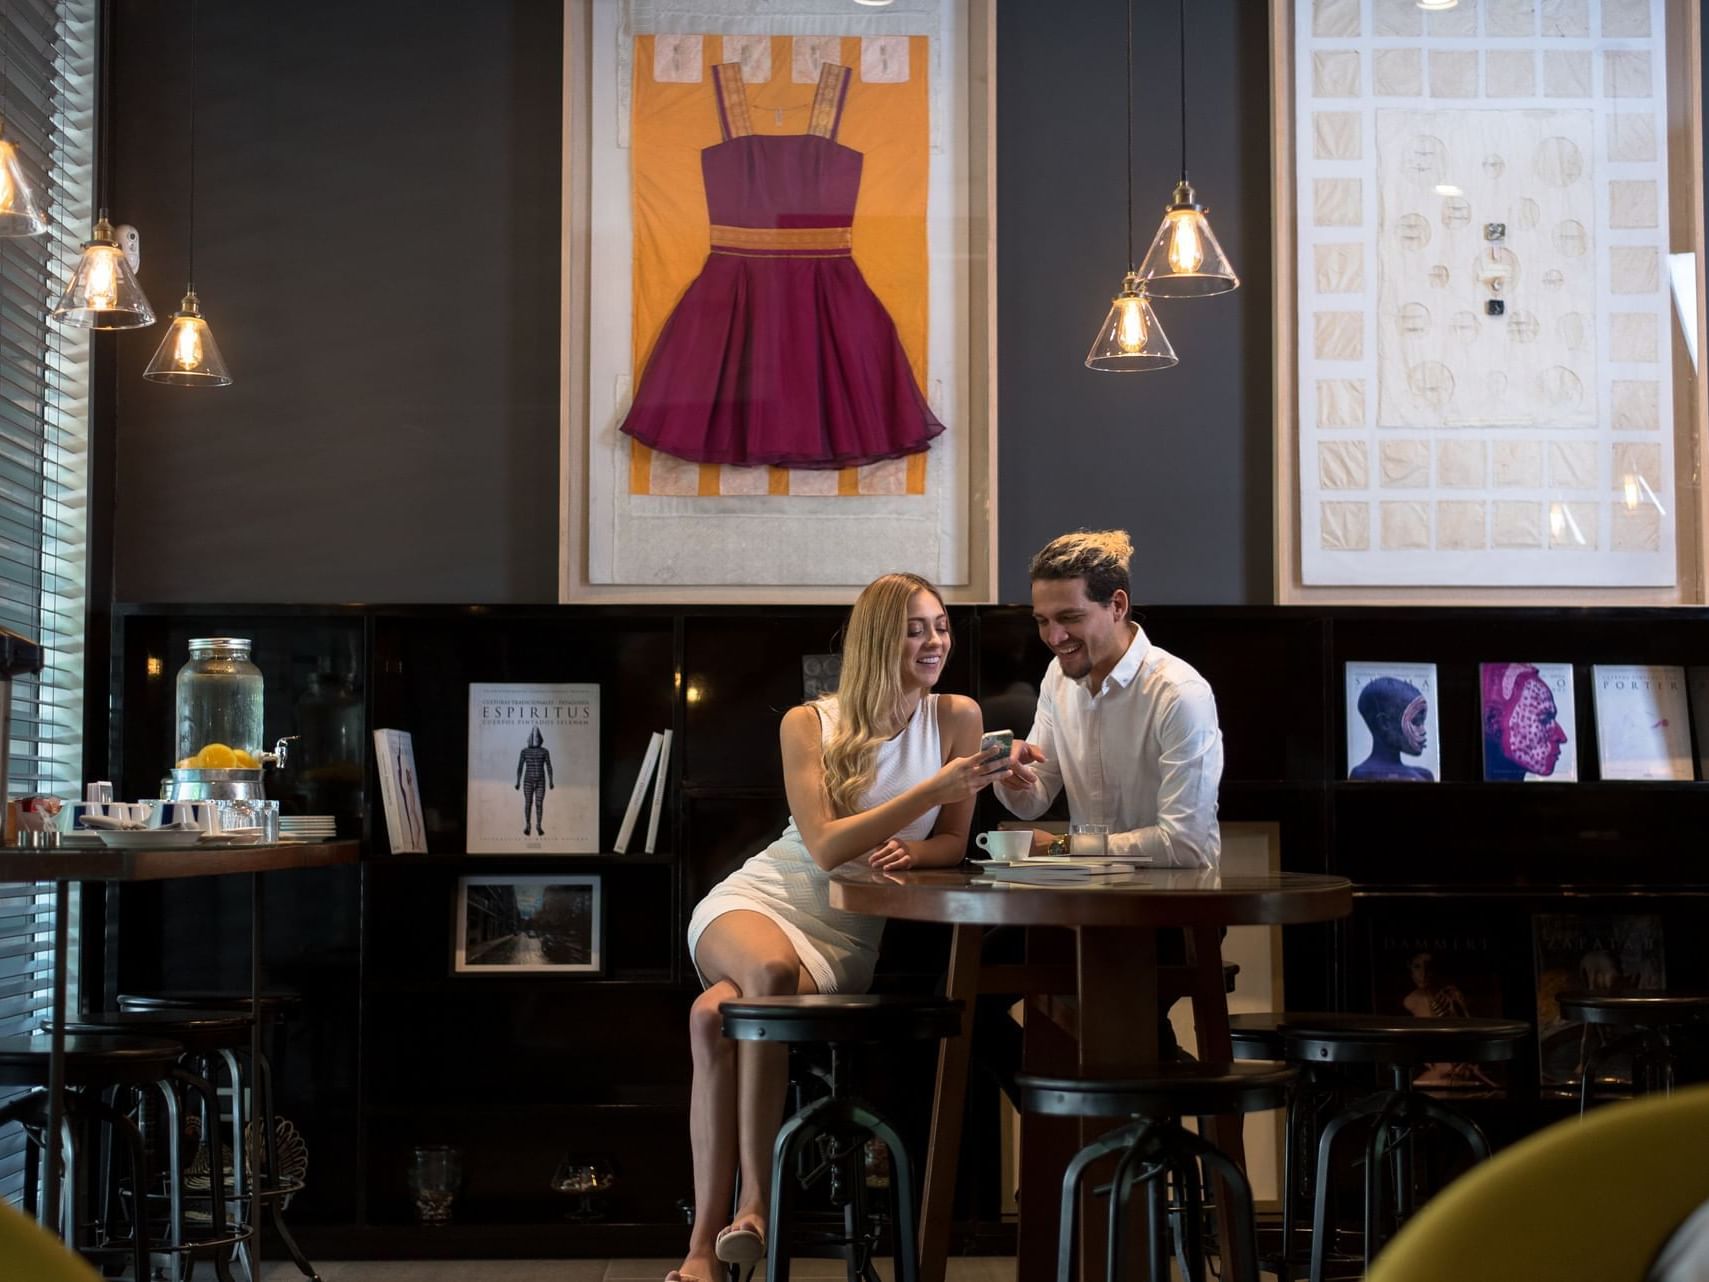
(779, 352)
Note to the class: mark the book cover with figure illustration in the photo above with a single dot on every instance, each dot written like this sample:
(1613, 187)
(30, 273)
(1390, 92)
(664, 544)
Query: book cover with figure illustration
(533, 769)
(1590, 952)
(1448, 972)
(1643, 729)
(1527, 723)
(1392, 730)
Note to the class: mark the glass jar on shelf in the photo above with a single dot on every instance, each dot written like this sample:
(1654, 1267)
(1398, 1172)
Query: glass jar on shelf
(219, 694)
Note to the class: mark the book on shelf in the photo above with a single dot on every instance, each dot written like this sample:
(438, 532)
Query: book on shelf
(533, 768)
(1528, 727)
(638, 794)
(661, 777)
(400, 792)
(1643, 726)
(1594, 952)
(1448, 972)
(1391, 722)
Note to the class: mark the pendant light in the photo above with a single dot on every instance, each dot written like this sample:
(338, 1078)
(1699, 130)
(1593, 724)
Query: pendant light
(1130, 341)
(103, 292)
(188, 355)
(1184, 260)
(19, 213)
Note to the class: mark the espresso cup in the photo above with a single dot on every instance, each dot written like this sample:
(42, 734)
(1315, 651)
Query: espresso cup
(1016, 844)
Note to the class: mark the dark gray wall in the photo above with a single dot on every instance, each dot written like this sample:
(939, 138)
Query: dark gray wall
(377, 251)
(1181, 457)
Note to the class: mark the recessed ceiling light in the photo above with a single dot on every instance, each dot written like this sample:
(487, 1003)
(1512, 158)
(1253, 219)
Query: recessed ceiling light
(880, 4)
(1448, 189)
(1433, 6)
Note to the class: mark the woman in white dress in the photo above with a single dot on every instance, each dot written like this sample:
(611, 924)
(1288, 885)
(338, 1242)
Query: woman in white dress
(885, 771)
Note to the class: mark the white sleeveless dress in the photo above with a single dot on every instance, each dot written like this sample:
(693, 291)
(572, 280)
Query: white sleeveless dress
(783, 883)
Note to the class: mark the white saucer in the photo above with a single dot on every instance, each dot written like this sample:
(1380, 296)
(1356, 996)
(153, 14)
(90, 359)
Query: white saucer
(146, 838)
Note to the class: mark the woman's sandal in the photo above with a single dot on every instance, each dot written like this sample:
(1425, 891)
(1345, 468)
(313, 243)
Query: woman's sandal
(742, 1245)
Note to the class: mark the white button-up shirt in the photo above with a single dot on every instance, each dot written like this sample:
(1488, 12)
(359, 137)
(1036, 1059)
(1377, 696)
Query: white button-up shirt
(1142, 753)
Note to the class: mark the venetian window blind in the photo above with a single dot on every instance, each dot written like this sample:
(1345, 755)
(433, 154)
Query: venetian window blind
(47, 101)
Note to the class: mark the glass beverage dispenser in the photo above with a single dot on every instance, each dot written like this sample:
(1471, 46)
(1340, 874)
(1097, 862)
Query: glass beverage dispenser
(219, 708)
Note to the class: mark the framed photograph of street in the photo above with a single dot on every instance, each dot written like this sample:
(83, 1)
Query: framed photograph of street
(547, 923)
(1489, 224)
(778, 320)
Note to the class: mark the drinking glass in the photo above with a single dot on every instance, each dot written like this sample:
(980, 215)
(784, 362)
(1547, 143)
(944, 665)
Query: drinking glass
(1088, 839)
(435, 1176)
(583, 1176)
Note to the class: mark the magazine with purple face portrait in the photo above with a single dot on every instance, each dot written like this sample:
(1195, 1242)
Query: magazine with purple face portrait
(1527, 723)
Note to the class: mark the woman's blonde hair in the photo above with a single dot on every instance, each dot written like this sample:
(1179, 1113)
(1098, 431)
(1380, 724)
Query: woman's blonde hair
(869, 690)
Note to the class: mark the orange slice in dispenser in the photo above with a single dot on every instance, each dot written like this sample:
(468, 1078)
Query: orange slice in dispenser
(244, 760)
(216, 756)
(188, 763)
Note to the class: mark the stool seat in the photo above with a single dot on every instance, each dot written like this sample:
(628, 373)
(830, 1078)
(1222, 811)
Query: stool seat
(1258, 1034)
(200, 1032)
(1162, 1091)
(1636, 1010)
(275, 1007)
(1400, 1040)
(838, 1018)
(103, 1059)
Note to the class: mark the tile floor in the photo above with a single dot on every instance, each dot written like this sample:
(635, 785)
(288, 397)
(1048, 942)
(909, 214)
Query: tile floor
(961, 1269)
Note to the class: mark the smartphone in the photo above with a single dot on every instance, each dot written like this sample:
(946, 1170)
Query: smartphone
(996, 745)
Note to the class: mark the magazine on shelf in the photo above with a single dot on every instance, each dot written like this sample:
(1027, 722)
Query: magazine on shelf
(533, 769)
(638, 794)
(1697, 681)
(1453, 971)
(1528, 727)
(1595, 952)
(1643, 728)
(400, 793)
(1392, 723)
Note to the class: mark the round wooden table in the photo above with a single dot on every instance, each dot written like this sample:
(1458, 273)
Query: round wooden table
(1115, 978)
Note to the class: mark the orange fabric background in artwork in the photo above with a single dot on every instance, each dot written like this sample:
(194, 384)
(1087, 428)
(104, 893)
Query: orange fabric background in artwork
(672, 122)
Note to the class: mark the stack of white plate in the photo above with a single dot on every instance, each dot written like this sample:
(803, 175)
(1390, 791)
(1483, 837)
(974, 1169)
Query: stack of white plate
(308, 827)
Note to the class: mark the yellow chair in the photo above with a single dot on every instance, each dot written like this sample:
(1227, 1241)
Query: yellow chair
(1592, 1200)
(28, 1251)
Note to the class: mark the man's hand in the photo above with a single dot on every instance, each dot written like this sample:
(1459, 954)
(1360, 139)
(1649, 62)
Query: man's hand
(1020, 777)
(1042, 841)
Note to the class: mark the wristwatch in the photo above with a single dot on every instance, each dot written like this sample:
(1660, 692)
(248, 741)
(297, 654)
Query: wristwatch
(1058, 845)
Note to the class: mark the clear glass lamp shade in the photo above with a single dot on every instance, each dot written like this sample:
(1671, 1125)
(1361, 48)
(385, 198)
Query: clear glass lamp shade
(103, 292)
(1130, 341)
(188, 355)
(1185, 260)
(20, 215)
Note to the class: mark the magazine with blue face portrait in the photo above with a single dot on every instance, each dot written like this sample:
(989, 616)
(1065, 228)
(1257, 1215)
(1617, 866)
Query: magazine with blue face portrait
(1392, 724)
(1527, 722)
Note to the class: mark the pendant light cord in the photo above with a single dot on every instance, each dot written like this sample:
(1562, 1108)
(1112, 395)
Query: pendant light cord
(1130, 137)
(103, 140)
(191, 250)
(1183, 25)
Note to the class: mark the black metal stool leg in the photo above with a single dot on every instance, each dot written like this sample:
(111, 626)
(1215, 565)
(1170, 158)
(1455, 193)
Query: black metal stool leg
(795, 1134)
(1241, 1220)
(1363, 1109)
(1121, 1194)
(1071, 1177)
(903, 1228)
(1453, 1120)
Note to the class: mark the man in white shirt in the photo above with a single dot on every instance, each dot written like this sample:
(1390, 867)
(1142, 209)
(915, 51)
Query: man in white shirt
(1129, 729)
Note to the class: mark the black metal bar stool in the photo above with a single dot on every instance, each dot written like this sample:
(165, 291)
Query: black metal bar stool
(1400, 1046)
(1155, 1147)
(1646, 1025)
(842, 1120)
(208, 1038)
(276, 1182)
(92, 1065)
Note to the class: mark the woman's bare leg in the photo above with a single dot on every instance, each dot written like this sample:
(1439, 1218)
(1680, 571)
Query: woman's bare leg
(711, 1128)
(748, 950)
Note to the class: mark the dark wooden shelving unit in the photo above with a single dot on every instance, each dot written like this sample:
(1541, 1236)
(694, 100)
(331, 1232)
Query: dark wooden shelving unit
(392, 1049)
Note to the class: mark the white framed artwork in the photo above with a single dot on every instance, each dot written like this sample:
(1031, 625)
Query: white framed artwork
(1482, 379)
(759, 498)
